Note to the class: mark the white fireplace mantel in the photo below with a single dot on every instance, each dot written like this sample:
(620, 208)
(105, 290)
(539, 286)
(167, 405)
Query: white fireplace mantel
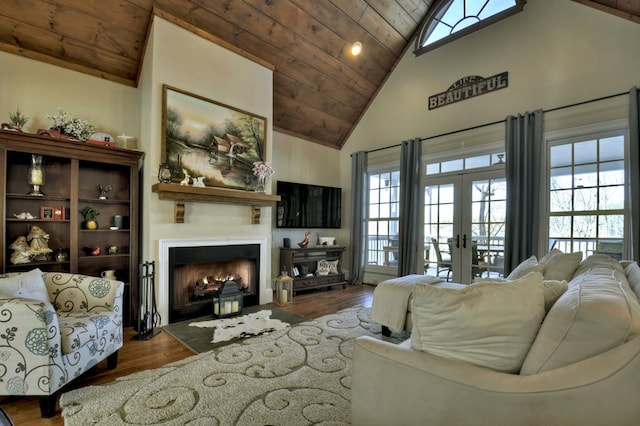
(162, 286)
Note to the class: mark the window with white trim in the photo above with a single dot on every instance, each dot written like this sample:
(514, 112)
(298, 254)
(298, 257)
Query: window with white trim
(587, 209)
(383, 218)
(448, 20)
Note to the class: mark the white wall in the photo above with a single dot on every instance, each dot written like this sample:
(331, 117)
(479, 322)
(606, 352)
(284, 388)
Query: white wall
(213, 72)
(38, 89)
(296, 160)
(557, 53)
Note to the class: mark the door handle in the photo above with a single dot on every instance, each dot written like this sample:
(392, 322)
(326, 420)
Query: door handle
(457, 240)
(464, 240)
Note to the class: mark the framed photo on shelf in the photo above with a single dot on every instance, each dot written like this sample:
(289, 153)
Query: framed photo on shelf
(58, 213)
(52, 212)
(46, 212)
(211, 141)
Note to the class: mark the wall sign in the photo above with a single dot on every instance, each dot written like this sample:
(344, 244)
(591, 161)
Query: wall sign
(469, 87)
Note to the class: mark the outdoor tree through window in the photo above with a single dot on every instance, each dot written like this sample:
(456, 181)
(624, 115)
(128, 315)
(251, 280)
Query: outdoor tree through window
(587, 194)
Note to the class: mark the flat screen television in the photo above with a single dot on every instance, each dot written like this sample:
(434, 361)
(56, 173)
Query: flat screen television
(308, 206)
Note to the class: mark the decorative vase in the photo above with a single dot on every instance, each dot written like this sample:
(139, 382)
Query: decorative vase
(261, 185)
(36, 175)
(91, 224)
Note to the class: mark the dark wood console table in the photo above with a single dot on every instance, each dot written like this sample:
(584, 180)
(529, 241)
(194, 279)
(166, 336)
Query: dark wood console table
(306, 259)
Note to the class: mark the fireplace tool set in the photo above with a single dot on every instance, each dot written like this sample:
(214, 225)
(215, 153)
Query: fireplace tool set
(148, 316)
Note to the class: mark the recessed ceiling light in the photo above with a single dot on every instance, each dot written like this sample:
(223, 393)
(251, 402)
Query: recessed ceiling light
(356, 48)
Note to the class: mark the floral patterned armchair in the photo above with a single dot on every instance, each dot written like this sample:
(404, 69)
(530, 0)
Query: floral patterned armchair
(44, 344)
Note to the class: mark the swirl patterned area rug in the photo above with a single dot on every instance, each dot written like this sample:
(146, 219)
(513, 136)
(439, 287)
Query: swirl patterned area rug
(300, 375)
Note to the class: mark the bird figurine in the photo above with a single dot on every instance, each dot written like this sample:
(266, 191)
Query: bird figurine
(104, 190)
(24, 215)
(304, 243)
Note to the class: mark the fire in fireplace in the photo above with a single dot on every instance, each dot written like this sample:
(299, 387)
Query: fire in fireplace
(195, 273)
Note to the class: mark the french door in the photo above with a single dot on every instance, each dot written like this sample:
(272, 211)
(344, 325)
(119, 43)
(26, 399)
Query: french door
(463, 228)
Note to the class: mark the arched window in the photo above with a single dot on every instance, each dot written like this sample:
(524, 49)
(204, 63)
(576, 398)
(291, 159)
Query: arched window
(449, 20)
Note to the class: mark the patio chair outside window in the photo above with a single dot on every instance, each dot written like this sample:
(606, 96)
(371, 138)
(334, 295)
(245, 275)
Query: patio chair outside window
(443, 264)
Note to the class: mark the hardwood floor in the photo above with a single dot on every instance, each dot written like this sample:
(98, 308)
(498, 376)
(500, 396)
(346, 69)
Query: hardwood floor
(138, 355)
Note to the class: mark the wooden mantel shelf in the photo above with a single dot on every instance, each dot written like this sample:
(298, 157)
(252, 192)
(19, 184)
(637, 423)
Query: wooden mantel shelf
(181, 193)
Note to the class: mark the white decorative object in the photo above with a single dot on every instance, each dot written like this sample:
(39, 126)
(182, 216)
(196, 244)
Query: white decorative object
(71, 125)
(323, 267)
(241, 327)
(327, 241)
(185, 181)
(262, 170)
(198, 182)
(126, 142)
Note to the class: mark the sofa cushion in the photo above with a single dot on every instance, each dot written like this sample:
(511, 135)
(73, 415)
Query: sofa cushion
(597, 313)
(633, 275)
(487, 324)
(560, 266)
(600, 264)
(526, 266)
(28, 285)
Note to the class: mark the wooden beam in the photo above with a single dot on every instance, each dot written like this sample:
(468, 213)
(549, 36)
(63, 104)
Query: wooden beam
(172, 191)
(616, 11)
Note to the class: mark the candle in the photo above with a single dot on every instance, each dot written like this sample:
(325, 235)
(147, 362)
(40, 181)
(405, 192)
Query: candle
(36, 177)
(235, 306)
(284, 296)
(216, 308)
(227, 308)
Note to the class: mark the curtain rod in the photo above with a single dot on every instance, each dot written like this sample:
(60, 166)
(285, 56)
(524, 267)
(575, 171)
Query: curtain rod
(500, 121)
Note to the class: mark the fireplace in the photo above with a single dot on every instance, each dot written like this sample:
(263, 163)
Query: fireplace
(192, 270)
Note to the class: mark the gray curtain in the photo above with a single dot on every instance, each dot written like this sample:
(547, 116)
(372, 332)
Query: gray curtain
(357, 216)
(409, 224)
(634, 171)
(524, 173)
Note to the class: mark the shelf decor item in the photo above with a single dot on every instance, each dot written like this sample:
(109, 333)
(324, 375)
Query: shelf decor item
(304, 243)
(89, 214)
(104, 190)
(36, 175)
(164, 173)
(227, 300)
(70, 126)
(262, 170)
(283, 289)
(17, 120)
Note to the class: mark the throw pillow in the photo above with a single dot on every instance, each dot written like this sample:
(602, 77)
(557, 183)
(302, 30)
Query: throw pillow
(333, 266)
(526, 266)
(560, 266)
(29, 285)
(322, 268)
(548, 256)
(487, 324)
(552, 289)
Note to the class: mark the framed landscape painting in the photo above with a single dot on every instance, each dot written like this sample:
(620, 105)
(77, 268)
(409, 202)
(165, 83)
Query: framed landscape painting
(206, 143)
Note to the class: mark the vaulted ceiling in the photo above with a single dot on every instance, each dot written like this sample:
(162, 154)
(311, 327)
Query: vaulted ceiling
(320, 89)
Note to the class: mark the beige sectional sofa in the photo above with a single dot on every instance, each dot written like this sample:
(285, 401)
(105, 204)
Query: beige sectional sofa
(520, 352)
(53, 327)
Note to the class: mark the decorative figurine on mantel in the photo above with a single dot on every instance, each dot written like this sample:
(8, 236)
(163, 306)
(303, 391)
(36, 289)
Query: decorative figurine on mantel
(104, 190)
(304, 243)
(187, 178)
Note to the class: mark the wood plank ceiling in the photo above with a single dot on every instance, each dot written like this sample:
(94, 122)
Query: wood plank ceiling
(320, 89)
